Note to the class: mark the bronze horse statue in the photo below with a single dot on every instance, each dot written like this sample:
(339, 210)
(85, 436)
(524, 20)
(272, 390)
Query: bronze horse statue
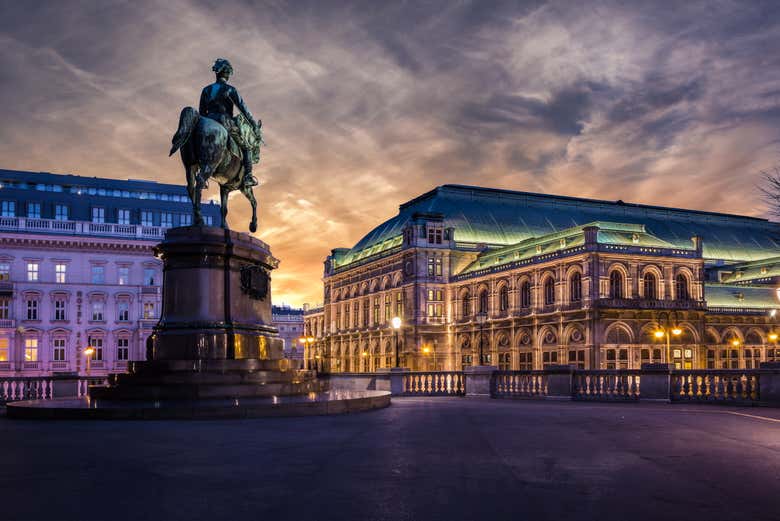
(208, 153)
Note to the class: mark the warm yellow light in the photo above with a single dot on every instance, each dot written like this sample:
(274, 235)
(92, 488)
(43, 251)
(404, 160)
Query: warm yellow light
(317, 357)
(426, 350)
(396, 322)
(364, 353)
(772, 336)
(88, 351)
(659, 334)
(302, 340)
(310, 339)
(676, 331)
(735, 342)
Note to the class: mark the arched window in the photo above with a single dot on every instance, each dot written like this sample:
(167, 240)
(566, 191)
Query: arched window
(549, 291)
(615, 284)
(503, 298)
(575, 287)
(681, 287)
(650, 286)
(466, 305)
(525, 295)
(483, 301)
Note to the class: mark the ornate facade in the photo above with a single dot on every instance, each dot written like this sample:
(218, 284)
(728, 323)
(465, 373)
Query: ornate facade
(527, 280)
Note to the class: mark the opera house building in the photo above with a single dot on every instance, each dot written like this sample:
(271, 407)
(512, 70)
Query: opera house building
(523, 280)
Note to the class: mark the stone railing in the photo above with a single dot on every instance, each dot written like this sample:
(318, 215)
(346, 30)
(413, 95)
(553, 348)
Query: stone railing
(716, 385)
(45, 388)
(519, 384)
(606, 385)
(433, 383)
(26, 224)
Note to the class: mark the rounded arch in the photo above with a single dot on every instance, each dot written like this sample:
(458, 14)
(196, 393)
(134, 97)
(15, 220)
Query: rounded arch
(464, 292)
(548, 336)
(547, 281)
(503, 296)
(647, 333)
(363, 288)
(650, 286)
(502, 340)
(619, 333)
(373, 285)
(483, 299)
(523, 338)
(732, 333)
(465, 342)
(385, 282)
(574, 334)
(754, 336)
(711, 335)
(689, 334)
(396, 279)
(618, 280)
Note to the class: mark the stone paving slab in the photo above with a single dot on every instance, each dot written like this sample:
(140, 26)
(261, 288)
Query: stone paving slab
(419, 459)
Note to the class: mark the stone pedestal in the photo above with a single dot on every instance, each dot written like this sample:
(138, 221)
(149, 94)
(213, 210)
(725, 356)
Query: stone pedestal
(477, 379)
(216, 297)
(655, 382)
(559, 382)
(769, 383)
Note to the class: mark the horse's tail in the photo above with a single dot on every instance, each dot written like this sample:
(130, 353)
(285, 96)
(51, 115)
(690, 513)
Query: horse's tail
(187, 121)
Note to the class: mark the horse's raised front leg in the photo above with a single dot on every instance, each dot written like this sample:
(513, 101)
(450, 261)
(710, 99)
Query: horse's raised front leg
(247, 191)
(223, 202)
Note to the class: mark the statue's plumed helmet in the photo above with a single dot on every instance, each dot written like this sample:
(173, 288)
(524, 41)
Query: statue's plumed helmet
(222, 65)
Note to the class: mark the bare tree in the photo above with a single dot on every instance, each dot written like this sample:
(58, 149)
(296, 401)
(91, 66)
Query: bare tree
(770, 189)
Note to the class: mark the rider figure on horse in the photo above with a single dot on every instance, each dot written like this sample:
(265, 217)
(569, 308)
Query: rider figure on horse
(217, 101)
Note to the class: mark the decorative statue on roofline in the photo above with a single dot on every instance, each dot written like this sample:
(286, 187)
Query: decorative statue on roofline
(215, 145)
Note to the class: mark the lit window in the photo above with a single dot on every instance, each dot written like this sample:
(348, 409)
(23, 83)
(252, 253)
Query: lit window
(208, 220)
(123, 216)
(98, 274)
(5, 308)
(166, 219)
(96, 343)
(32, 271)
(61, 273)
(59, 349)
(5, 271)
(122, 349)
(61, 212)
(30, 349)
(149, 276)
(185, 219)
(123, 275)
(97, 311)
(148, 310)
(147, 218)
(34, 210)
(98, 214)
(8, 208)
(4, 349)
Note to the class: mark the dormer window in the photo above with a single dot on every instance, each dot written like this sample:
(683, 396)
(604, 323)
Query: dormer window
(435, 235)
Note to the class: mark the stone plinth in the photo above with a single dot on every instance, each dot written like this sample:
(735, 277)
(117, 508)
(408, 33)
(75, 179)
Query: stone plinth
(655, 382)
(559, 382)
(477, 379)
(216, 297)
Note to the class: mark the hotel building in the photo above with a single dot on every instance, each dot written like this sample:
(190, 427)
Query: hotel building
(77, 269)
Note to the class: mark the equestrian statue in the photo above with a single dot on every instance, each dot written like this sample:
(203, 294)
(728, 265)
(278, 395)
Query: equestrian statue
(215, 145)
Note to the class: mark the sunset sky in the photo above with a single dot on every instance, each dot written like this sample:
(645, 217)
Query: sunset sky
(368, 104)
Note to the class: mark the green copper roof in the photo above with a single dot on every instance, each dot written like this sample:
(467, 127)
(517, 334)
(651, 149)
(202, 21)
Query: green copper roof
(733, 296)
(504, 217)
(609, 233)
(756, 270)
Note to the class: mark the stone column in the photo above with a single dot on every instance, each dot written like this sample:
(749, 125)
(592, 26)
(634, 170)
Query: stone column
(477, 380)
(559, 381)
(655, 383)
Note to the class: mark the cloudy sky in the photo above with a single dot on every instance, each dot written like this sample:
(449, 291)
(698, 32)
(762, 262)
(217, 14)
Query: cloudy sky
(367, 104)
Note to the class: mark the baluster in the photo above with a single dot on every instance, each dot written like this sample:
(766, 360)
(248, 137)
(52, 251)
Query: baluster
(4, 393)
(739, 392)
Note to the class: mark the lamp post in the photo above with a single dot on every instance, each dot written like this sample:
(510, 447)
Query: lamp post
(481, 319)
(666, 331)
(88, 352)
(427, 349)
(396, 323)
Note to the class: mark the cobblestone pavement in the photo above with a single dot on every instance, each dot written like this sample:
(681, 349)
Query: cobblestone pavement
(420, 459)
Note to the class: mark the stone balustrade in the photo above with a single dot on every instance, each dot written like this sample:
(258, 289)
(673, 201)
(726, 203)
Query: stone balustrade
(45, 388)
(606, 385)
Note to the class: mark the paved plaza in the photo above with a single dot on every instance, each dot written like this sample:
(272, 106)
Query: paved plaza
(419, 459)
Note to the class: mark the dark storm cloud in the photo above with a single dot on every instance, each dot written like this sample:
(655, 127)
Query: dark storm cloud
(367, 104)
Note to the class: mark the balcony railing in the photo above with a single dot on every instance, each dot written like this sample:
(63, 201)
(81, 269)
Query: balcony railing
(25, 224)
(7, 323)
(641, 303)
(715, 386)
(433, 383)
(518, 384)
(606, 385)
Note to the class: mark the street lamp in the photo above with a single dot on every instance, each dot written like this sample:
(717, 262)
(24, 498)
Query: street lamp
(396, 323)
(426, 350)
(307, 341)
(89, 352)
(666, 331)
(481, 319)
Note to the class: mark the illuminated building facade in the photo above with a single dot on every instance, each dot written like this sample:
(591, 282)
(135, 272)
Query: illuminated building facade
(77, 269)
(289, 322)
(528, 280)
